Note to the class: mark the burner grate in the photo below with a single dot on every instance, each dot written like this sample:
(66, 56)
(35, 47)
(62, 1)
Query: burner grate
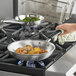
(31, 64)
(11, 33)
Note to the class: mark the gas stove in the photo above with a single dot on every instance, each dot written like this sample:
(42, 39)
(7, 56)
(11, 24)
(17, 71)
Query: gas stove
(13, 32)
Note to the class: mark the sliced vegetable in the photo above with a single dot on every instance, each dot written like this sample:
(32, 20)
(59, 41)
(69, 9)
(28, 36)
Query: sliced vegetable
(36, 19)
(28, 19)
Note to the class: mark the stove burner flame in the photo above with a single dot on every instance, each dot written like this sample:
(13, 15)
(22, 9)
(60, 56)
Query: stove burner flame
(19, 62)
(31, 64)
(41, 63)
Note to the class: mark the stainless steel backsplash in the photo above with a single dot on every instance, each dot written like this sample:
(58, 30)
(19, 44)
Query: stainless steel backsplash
(6, 8)
(55, 11)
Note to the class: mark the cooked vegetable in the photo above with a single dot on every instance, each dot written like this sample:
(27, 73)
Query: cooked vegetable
(29, 19)
(29, 50)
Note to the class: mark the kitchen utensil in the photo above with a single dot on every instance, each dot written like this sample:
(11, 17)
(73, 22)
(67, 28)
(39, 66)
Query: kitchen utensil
(35, 23)
(12, 22)
(43, 44)
(21, 17)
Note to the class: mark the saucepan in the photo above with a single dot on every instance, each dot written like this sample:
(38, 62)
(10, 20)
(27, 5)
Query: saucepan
(43, 44)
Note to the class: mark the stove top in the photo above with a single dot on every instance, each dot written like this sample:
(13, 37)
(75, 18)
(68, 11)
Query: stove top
(14, 32)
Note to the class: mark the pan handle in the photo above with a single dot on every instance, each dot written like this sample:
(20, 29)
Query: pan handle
(12, 22)
(56, 33)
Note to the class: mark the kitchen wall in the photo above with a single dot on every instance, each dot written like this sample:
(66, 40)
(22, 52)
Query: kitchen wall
(44, 8)
(21, 7)
(74, 12)
(24, 6)
(74, 8)
(22, 11)
(6, 8)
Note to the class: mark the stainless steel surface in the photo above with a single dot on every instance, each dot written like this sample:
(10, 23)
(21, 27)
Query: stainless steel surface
(50, 47)
(63, 66)
(6, 8)
(3, 73)
(53, 10)
(35, 23)
(12, 22)
(21, 17)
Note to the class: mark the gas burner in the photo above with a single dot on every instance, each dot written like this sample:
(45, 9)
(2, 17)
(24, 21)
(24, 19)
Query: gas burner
(11, 33)
(31, 64)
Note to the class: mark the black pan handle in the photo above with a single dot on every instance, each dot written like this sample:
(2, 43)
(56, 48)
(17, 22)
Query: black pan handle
(53, 35)
(56, 33)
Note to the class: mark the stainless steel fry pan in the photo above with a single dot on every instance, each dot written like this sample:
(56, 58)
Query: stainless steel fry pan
(43, 44)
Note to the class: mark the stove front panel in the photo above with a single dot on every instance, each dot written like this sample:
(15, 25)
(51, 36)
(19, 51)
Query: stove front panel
(3, 73)
(65, 66)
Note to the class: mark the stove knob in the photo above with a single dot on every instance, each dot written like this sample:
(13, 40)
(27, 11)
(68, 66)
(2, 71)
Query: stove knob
(74, 73)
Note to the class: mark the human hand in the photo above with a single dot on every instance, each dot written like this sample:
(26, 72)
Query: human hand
(67, 27)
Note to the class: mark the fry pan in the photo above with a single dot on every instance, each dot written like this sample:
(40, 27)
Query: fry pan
(43, 44)
(21, 17)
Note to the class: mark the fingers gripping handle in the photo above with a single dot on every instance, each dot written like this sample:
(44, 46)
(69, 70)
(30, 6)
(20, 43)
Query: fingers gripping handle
(56, 33)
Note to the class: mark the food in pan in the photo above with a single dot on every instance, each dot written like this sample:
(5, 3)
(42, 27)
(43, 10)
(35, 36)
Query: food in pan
(29, 19)
(29, 50)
